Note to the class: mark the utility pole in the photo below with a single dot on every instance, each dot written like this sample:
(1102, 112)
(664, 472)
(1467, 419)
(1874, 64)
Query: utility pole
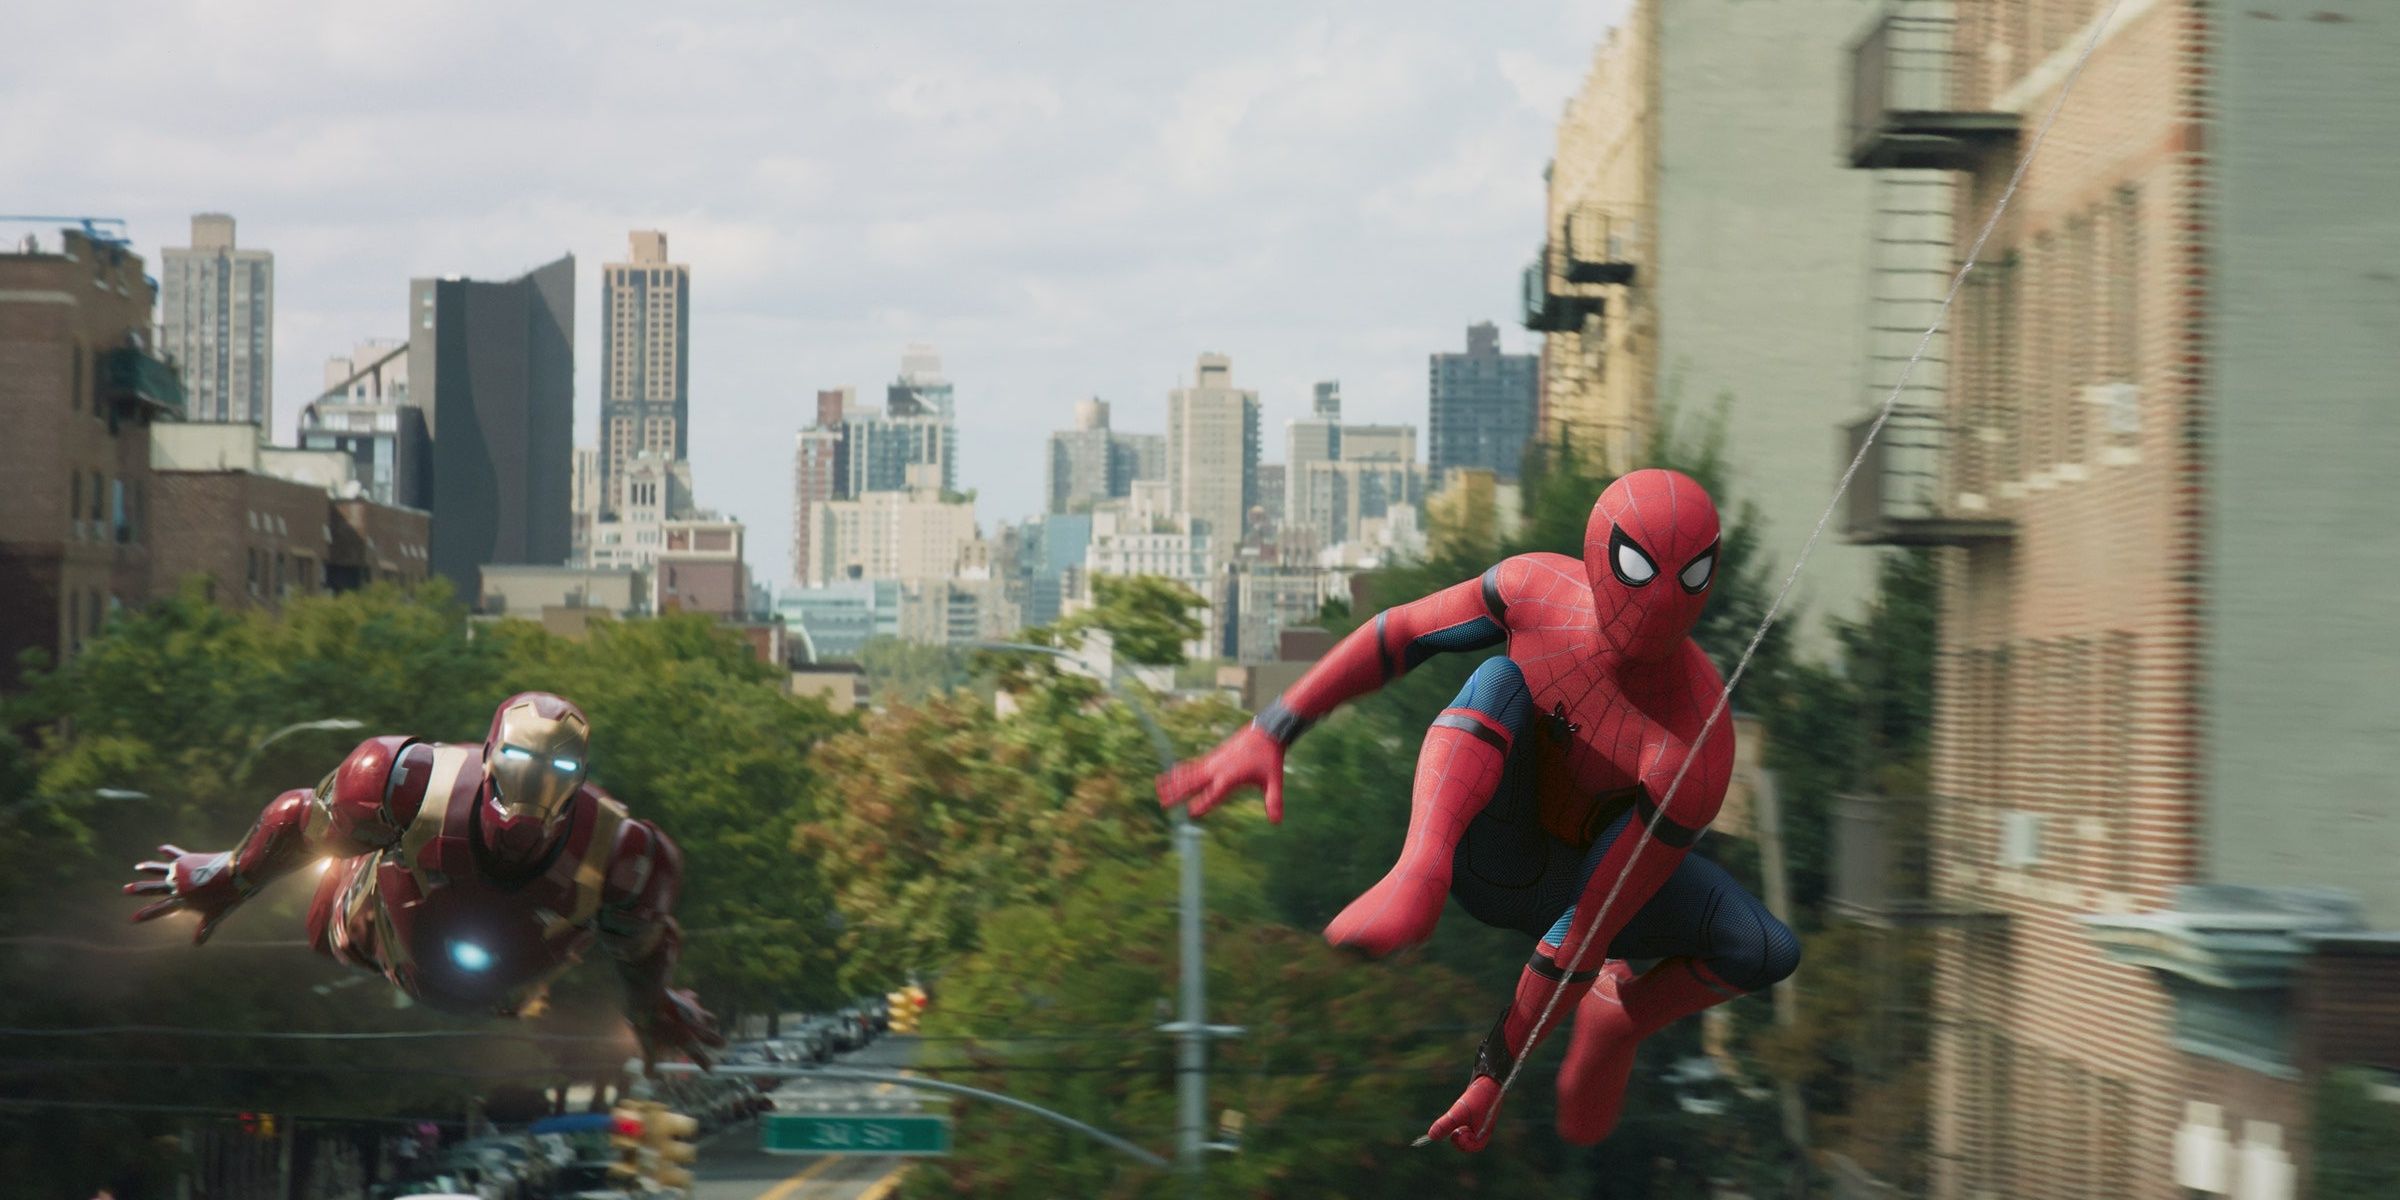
(1190, 1028)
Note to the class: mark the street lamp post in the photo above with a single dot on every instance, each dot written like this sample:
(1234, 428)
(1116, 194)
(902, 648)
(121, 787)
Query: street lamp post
(242, 771)
(1190, 1028)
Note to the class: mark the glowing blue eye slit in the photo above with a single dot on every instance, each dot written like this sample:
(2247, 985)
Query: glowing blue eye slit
(515, 752)
(470, 957)
(564, 764)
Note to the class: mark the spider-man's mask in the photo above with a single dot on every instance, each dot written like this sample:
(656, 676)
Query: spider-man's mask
(1650, 553)
(535, 759)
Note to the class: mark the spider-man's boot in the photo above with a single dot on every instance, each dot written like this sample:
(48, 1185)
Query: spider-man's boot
(1610, 1024)
(1458, 768)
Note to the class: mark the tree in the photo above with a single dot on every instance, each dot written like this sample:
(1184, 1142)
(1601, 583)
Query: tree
(1148, 617)
(1338, 1063)
(170, 702)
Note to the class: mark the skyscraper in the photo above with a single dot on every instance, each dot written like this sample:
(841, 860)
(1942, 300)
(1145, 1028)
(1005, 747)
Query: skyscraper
(645, 370)
(921, 390)
(1482, 406)
(217, 322)
(1212, 453)
(493, 367)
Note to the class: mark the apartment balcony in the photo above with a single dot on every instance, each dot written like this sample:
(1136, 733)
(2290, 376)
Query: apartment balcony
(1883, 865)
(1549, 311)
(1906, 109)
(132, 379)
(1599, 246)
(1900, 495)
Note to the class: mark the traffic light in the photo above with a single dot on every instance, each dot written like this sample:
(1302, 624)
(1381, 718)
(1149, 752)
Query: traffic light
(626, 1123)
(668, 1135)
(904, 1012)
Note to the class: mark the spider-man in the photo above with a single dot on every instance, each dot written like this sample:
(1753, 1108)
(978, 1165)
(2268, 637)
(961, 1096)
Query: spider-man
(1528, 784)
(470, 876)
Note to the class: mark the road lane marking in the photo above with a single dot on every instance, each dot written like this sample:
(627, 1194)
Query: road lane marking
(788, 1186)
(887, 1185)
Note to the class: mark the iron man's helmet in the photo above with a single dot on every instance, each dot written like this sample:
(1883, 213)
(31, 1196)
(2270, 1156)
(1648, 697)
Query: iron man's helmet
(1650, 553)
(535, 757)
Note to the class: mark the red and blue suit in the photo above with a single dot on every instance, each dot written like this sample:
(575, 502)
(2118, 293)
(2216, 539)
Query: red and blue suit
(470, 876)
(1550, 783)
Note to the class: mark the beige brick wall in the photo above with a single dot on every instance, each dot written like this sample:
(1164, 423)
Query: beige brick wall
(1599, 385)
(2067, 683)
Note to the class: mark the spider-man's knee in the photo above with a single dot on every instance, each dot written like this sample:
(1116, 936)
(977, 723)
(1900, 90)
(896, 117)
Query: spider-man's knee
(1753, 950)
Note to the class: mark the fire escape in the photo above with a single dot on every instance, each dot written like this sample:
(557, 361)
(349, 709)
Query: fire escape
(1908, 122)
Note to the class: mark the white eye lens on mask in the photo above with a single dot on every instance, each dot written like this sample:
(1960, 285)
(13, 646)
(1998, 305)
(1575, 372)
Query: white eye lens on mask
(1632, 565)
(1695, 576)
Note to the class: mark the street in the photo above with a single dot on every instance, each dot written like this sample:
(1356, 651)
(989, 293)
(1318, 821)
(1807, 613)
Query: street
(732, 1167)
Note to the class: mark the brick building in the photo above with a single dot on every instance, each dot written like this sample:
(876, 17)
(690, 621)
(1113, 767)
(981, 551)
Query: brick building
(2155, 452)
(79, 388)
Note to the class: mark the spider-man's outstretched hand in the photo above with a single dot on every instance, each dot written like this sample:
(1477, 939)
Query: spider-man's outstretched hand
(1468, 1124)
(1250, 758)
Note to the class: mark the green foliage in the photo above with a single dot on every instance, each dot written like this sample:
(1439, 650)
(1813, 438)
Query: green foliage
(904, 672)
(1339, 1063)
(2353, 1135)
(1148, 617)
(930, 817)
(171, 703)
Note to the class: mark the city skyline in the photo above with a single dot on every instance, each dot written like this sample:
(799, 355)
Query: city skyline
(1059, 225)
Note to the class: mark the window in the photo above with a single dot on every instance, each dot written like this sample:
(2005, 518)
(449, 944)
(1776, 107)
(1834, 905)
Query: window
(75, 502)
(119, 518)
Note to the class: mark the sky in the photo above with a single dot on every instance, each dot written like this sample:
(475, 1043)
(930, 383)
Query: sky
(1068, 199)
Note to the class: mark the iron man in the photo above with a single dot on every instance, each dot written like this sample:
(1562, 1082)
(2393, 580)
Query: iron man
(471, 877)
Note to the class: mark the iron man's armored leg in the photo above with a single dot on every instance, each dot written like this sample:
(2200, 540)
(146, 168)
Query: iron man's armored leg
(1741, 948)
(1458, 768)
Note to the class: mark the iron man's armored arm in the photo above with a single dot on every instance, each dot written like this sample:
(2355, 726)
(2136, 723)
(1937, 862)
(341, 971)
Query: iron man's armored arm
(1465, 616)
(359, 808)
(637, 922)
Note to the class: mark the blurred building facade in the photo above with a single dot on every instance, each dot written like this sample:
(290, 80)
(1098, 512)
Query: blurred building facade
(1701, 257)
(2157, 875)
(216, 323)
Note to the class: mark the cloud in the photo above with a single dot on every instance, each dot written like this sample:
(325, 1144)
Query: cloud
(1068, 197)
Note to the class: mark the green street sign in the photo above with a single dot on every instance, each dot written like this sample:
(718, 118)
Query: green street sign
(854, 1133)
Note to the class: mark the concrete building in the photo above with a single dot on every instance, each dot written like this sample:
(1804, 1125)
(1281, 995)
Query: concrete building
(2159, 880)
(1212, 453)
(583, 499)
(80, 388)
(653, 492)
(645, 357)
(365, 412)
(564, 600)
(1315, 438)
(1255, 604)
(699, 568)
(1144, 535)
(883, 453)
(216, 323)
(1481, 406)
(493, 367)
(1092, 462)
(1700, 251)
(834, 622)
(912, 536)
(1345, 497)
